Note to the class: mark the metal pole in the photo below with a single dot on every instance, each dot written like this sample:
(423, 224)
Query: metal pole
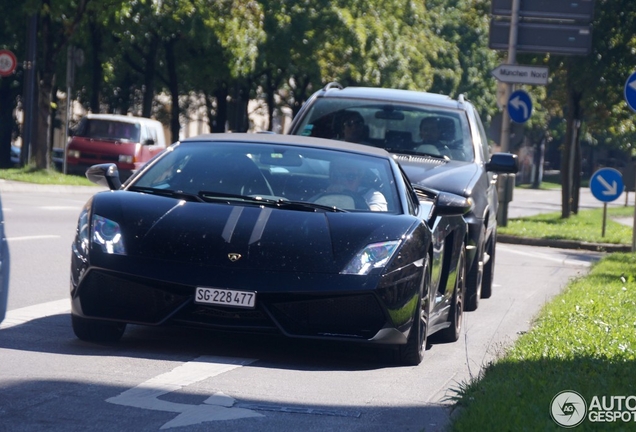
(512, 59)
(604, 219)
(634, 223)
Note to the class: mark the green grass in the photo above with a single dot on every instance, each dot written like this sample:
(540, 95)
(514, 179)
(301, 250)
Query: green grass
(586, 226)
(31, 175)
(584, 340)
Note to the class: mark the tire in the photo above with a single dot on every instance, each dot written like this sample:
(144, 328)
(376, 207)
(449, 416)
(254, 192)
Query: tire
(475, 276)
(489, 267)
(456, 315)
(97, 331)
(412, 353)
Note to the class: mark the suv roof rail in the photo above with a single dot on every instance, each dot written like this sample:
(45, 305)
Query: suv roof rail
(333, 84)
(461, 99)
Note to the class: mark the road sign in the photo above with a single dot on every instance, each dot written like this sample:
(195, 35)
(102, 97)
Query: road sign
(517, 74)
(606, 184)
(630, 91)
(577, 10)
(566, 39)
(519, 106)
(8, 63)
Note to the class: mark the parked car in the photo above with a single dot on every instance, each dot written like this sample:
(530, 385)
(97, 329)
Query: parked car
(129, 142)
(246, 232)
(440, 143)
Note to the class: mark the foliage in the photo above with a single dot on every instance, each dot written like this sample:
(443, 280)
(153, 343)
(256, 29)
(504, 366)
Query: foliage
(583, 340)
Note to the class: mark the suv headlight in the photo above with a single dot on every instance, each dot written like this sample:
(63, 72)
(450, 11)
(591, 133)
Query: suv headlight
(375, 255)
(107, 235)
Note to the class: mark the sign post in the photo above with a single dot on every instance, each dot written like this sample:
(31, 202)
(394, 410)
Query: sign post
(606, 185)
(630, 98)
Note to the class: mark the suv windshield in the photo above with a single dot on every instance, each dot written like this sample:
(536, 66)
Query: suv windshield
(109, 130)
(398, 128)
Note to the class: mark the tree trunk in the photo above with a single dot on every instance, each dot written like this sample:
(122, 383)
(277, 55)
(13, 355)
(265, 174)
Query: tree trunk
(173, 85)
(220, 119)
(6, 120)
(149, 77)
(96, 64)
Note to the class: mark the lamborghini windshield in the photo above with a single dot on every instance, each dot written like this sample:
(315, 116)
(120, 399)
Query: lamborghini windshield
(229, 171)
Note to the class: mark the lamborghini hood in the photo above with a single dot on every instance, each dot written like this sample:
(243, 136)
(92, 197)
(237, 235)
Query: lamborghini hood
(244, 236)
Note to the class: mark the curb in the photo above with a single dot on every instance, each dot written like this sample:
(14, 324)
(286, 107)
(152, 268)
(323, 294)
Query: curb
(563, 244)
(16, 186)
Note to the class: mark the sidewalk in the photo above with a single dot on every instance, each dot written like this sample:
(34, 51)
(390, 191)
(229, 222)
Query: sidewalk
(530, 202)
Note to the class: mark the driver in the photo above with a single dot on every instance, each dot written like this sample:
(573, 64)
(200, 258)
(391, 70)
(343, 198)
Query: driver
(346, 177)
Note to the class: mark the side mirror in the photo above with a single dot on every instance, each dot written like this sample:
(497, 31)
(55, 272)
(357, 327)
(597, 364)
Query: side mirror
(449, 204)
(104, 175)
(149, 141)
(503, 163)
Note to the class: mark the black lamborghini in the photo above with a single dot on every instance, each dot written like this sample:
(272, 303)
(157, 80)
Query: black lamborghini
(246, 232)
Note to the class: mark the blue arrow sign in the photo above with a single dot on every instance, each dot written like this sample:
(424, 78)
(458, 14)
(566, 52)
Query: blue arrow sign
(630, 91)
(519, 106)
(606, 184)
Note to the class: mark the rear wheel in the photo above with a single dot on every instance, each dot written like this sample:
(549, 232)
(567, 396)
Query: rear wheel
(475, 275)
(489, 266)
(456, 315)
(412, 353)
(97, 331)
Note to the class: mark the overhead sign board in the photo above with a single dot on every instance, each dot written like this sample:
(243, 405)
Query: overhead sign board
(576, 10)
(630, 91)
(566, 39)
(517, 74)
(606, 184)
(519, 106)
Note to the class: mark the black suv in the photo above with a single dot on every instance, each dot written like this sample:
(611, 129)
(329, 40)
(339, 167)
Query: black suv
(439, 142)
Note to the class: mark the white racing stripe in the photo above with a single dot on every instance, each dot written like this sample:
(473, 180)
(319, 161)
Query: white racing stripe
(23, 315)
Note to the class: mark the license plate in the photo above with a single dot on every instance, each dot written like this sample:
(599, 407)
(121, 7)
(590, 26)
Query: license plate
(225, 297)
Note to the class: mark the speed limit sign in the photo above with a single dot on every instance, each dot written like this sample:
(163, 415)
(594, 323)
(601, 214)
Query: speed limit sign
(8, 63)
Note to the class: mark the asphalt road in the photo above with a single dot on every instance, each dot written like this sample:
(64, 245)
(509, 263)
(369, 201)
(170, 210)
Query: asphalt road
(194, 380)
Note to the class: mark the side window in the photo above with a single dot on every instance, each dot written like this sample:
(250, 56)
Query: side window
(412, 205)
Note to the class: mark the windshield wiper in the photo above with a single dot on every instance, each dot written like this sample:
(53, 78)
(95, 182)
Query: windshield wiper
(167, 192)
(281, 203)
(416, 153)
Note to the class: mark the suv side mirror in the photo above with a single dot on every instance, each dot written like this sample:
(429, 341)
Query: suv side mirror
(149, 141)
(503, 163)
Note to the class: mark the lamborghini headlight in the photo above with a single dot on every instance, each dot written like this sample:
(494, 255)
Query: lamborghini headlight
(107, 235)
(373, 256)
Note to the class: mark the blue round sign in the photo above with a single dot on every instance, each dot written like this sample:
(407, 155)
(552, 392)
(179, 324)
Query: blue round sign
(519, 106)
(630, 91)
(607, 184)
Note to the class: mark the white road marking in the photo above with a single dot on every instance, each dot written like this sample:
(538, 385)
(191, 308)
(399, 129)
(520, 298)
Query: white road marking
(561, 260)
(217, 407)
(23, 315)
(35, 237)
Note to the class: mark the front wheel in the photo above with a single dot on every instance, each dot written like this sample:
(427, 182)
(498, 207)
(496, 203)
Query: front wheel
(475, 275)
(456, 314)
(489, 266)
(412, 353)
(96, 330)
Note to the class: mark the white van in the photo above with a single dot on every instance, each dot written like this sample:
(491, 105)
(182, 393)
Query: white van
(127, 141)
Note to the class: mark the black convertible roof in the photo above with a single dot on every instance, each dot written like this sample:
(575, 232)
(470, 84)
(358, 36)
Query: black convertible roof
(272, 138)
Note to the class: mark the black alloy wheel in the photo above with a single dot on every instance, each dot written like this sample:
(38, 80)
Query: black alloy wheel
(475, 275)
(412, 353)
(489, 267)
(456, 315)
